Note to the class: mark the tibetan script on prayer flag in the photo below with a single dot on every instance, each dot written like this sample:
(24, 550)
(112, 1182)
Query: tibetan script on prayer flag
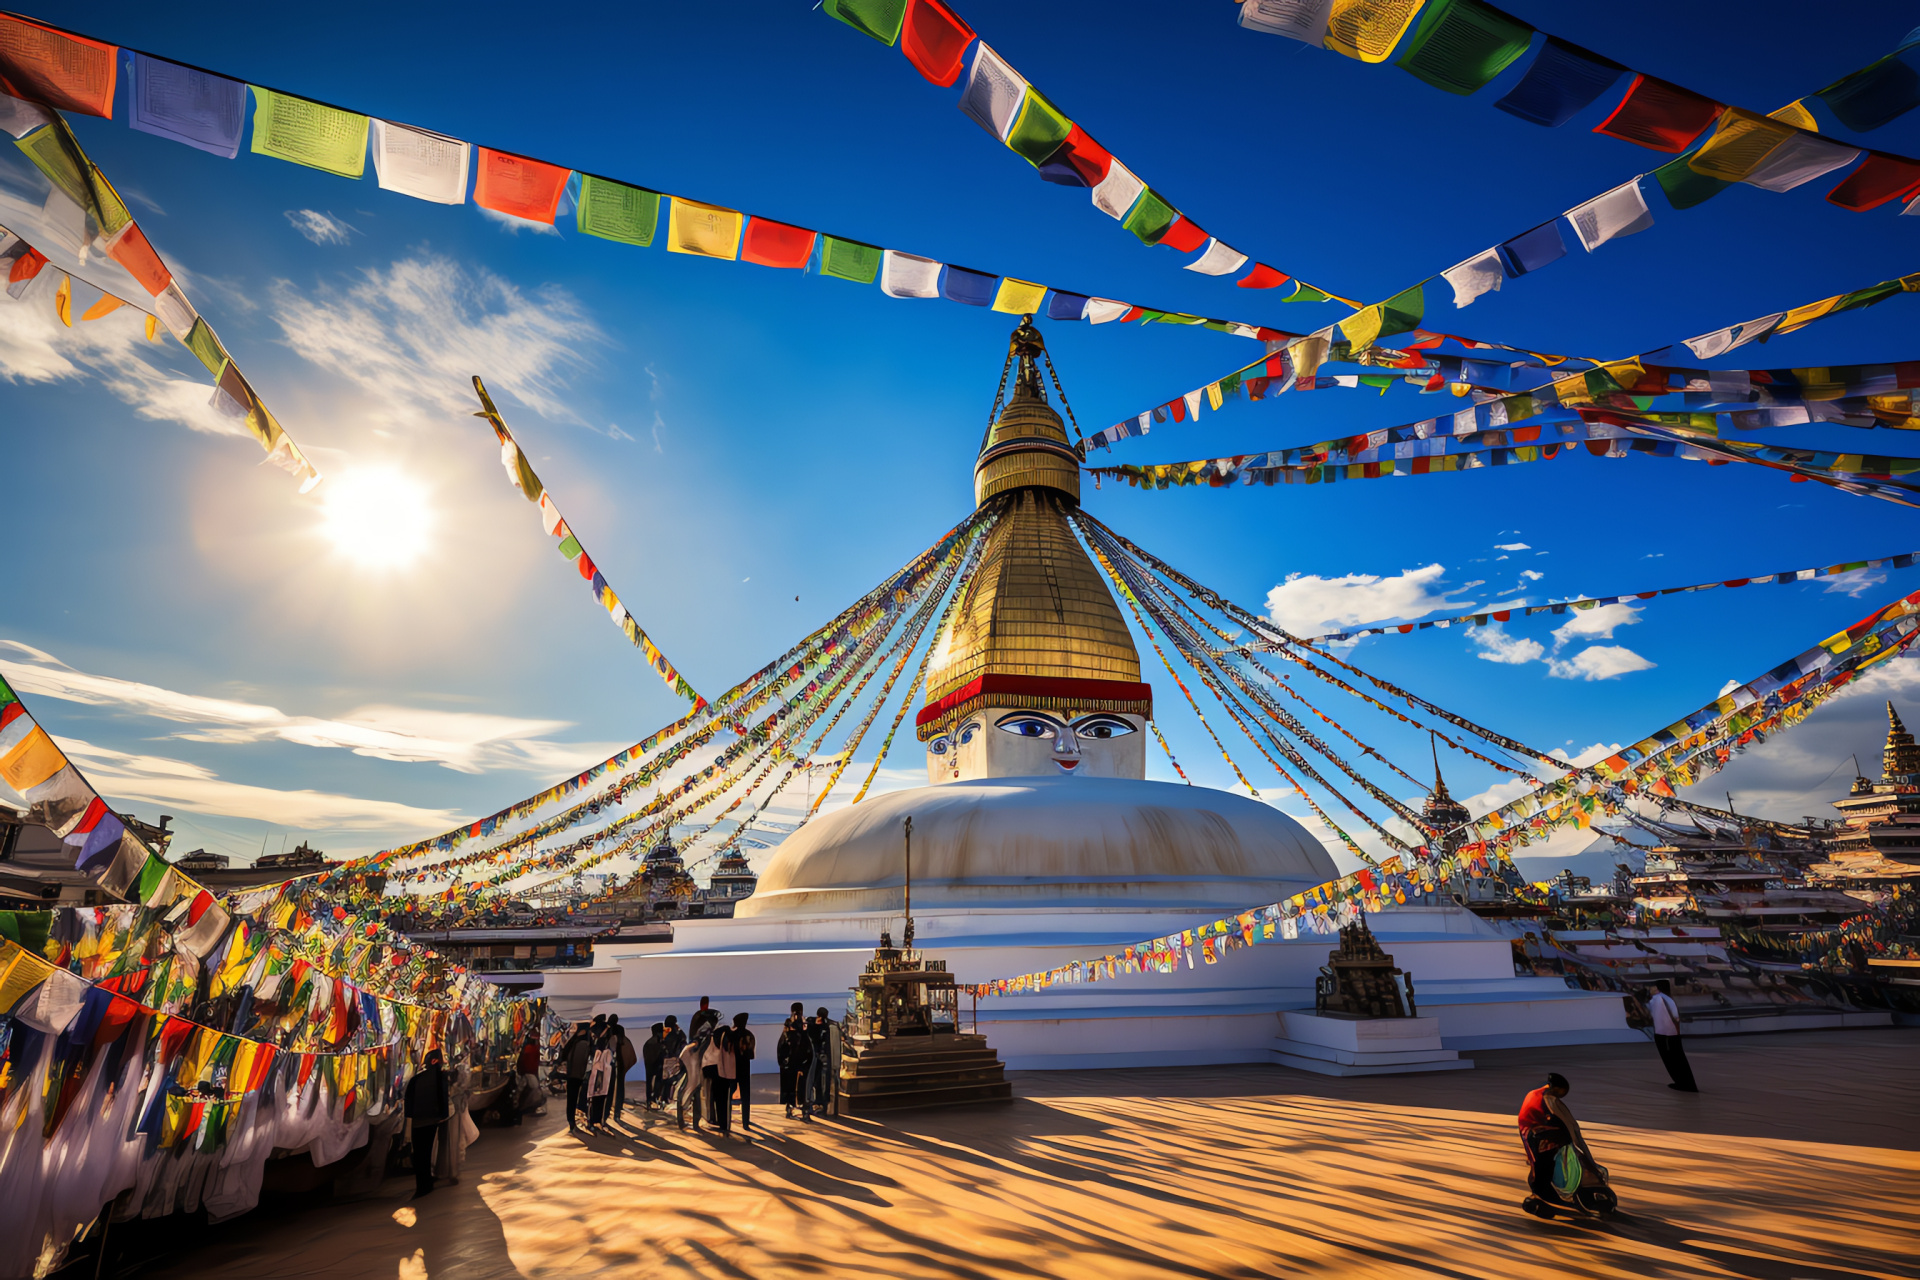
(1659, 116)
(1741, 143)
(1369, 29)
(993, 93)
(615, 211)
(935, 40)
(308, 133)
(44, 65)
(775, 244)
(1563, 81)
(1039, 129)
(197, 108)
(706, 230)
(849, 260)
(421, 164)
(519, 187)
(1460, 45)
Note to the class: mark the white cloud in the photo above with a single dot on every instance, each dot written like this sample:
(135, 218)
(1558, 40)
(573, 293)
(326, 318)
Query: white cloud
(414, 334)
(462, 741)
(1307, 603)
(1598, 662)
(1532, 575)
(1497, 646)
(1512, 546)
(1589, 755)
(1855, 584)
(514, 226)
(320, 228)
(1597, 623)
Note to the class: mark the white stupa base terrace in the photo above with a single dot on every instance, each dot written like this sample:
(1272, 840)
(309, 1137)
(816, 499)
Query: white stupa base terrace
(1344, 1046)
(1221, 1013)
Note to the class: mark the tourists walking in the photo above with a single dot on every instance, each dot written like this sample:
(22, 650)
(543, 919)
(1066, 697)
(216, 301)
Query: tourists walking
(1666, 1037)
(743, 1047)
(427, 1109)
(820, 1072)
(795, 1055)
(704, 1019)
(578, 1057)
(624, 1056)
(652, 1059)
(600, 1079)
(1561, 1170)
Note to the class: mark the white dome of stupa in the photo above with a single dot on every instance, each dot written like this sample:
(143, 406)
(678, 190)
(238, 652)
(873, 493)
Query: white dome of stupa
(1037, 843)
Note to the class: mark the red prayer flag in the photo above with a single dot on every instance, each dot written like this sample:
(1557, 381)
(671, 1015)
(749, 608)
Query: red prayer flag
(935, 40)
(1880, 179)
(1262, 277)
(518, 186)
(1084, 156)
(1659, 115)
(1183, 235)
(1179, 409)
(68, 72)
(1133, 313)
(27, 266)
(775, 244)
(133, 252)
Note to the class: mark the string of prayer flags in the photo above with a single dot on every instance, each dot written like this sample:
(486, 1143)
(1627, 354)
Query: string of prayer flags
(519, 187)
(309, 133)
(1878, 93)
(190, 106)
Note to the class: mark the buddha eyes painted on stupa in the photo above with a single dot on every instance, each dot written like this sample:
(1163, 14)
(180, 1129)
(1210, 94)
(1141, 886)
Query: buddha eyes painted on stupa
(1029, 724)
(1102, 726)
(1032, 724)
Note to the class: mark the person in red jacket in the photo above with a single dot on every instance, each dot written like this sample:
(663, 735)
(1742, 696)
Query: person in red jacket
(1561, 1170)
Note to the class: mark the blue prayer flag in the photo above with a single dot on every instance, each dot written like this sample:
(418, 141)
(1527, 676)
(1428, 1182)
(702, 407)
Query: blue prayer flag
(1066, 306)
(975, 288)
(1562, 82)
(1875, 95)
(198, 108)
(1532, 250)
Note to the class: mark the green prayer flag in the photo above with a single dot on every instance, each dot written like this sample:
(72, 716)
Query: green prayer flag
(1304, 292)
(1038, 129)
(570, 547)
(849, 260)
(309, 133)
(878, 18)
(1404, 310)
(1867, 297)
(202, 343)
(1150, 217)
(152, 872)
(43, 147)
(1684, 187)
(1460, 45)
(615, 211)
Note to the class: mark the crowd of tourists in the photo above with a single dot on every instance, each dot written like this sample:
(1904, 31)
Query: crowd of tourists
(704, 1069)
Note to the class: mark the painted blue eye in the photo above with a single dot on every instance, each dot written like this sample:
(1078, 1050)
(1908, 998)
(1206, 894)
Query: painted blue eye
(940, 745)
(967, 731)
(1102, 727)
(1029, 726)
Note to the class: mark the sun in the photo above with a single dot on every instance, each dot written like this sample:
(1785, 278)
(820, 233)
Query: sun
(378, 518)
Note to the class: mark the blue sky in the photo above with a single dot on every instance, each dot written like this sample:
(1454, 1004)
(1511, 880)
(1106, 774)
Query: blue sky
(725, 437)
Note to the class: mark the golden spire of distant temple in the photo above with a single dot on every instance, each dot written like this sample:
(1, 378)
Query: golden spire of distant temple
(1037, 627)
(1901, 758)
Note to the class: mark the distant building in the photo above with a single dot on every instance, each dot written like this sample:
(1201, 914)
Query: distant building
(1878, 847)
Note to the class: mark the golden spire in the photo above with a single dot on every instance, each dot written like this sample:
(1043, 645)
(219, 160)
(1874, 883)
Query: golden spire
(1027, 445)
(1901, 758)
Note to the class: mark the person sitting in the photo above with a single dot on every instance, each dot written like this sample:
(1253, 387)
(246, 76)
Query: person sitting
(1561, 1170)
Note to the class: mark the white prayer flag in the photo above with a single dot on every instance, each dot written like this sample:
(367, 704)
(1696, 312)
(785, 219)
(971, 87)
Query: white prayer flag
(1620, 212)
(1729, 384)
(1477, 275)
(21, 118)
(1709, 345)
(1465, 423)
(1239, 330)
(1800, 159)
(1146, 422)
(1304, 20)
(1913, 207)
(994, 92)
(1101, 310)
(175, 312)
(426, 166)
(1193, 403)
(902, 275)
(1218, 260)
(1117, 191)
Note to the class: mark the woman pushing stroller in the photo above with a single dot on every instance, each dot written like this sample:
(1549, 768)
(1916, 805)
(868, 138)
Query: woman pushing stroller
(1562, 1174)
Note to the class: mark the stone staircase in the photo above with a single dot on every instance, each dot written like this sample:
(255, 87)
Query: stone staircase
(899, 1073)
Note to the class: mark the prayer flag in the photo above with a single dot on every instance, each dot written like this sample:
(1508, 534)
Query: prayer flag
(993, 93)
(974, 288)
(197, 108)
(1101, 310)
(1683, 187)
(1218, 260)
(1183, 235)
(1369, 29)
(877, 18)
(20, 118)
(1038, 129)
(519, 187)
(1067, 306)
(1659, 116)
(1304, 292)
(1262, 276)
(1876, 94)
(615, 211)
(1303, 20)
(1114, 194)
(706, 230)
(1532, 250)
(1460, 45)
(905, 275)
(935, 40)
(32, 761)
(1020, 297)
(1880, 179)
(1741, 143)
(849, 260)
(1800, 159)
(105, 305)
(175, 312)
(1403, 311)
(202, 343)
(1620, 212)
(775, 244)
(1150, 217)
(1362, 327)
(308, 133)
(71, 73)
(418, 163)
(1563, 81)
(133, 252)
(1079, 161)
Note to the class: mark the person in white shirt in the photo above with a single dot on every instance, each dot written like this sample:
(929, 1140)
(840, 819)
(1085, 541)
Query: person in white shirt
(1666, 1037)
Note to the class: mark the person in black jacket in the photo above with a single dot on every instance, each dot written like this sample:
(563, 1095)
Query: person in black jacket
(577, 1057)
(743, 1047)
(427, 1108)
(653, 1056)
(795, 1055)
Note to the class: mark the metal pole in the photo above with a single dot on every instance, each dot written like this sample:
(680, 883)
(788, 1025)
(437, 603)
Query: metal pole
(908, 939)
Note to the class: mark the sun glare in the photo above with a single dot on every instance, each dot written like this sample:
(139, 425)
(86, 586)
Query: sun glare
(378, 519)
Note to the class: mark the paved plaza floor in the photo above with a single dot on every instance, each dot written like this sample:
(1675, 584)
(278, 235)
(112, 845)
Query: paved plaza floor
(1798, 1160)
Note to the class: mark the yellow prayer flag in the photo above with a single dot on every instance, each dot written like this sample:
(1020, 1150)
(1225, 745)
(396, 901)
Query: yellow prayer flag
(1018, 297)
(1741, 143)
(1369, 29)
(153, 327)
(107, 305)
(1362, 327)
(1214, 396)
(1801, 317)
(1796, 114)
(63, 301)
(704, 229)
(32, 761)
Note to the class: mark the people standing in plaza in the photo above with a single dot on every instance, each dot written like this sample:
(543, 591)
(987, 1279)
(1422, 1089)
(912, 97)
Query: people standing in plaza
(725, 1069)
(427, 1108)
(653, 1058)
(527, 1083)
(795, 1055)
(600, 1079)
(743, 1046)
(672, 1069)
(693, 1083)
(704, 1019)
(820, 1071)
(624, 1056)
(578, 1056)
(1666, 1037)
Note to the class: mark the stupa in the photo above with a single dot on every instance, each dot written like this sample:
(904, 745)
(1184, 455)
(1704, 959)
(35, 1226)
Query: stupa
(1039, 839)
